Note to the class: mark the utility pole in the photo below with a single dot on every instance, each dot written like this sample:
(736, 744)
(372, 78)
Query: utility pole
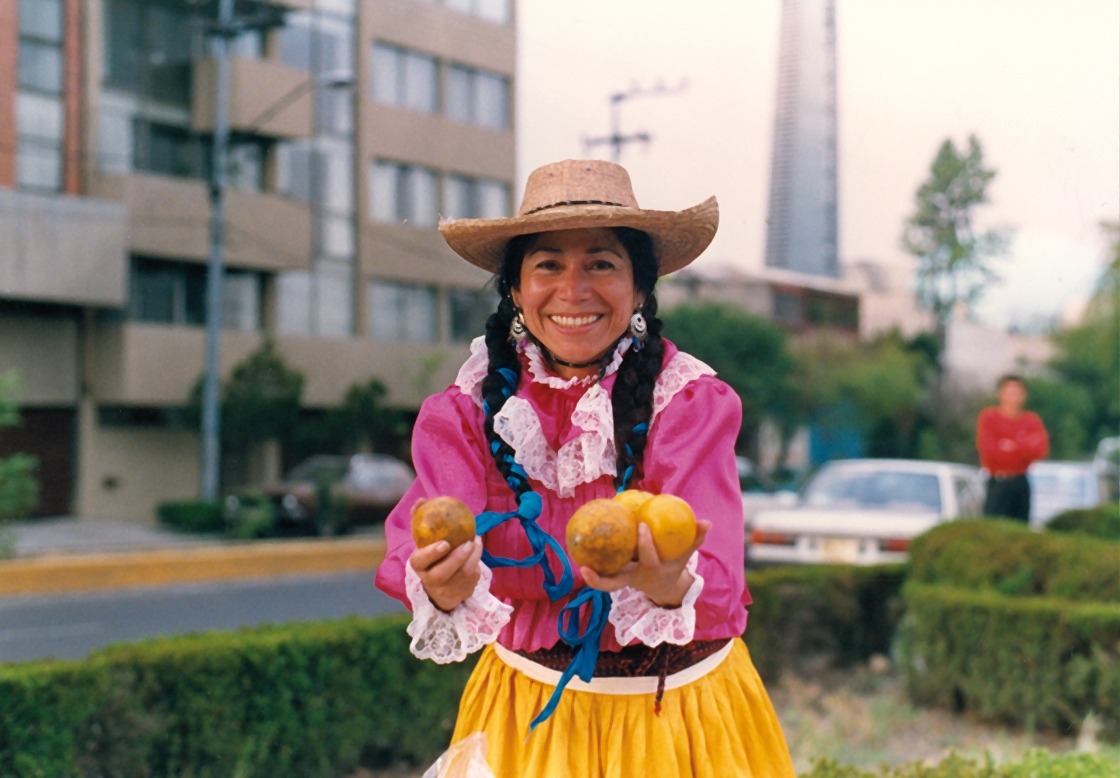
(617, 140)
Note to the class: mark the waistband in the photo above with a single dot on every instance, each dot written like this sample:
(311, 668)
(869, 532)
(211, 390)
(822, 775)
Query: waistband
(641, 684)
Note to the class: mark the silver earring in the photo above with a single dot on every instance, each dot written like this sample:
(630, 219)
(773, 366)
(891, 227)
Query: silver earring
(517, 329)
(638, 327)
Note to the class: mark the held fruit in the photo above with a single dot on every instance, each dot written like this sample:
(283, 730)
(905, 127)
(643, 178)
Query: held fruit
(633, 499)
(442, 518)
(672, 524)
(603, 535)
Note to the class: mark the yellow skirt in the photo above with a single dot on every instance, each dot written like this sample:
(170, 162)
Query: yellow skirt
(721, 724)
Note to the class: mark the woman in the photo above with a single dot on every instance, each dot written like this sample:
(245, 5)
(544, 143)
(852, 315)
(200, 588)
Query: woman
(573, 395)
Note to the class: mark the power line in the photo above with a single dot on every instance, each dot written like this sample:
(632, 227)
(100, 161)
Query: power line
(617, 140)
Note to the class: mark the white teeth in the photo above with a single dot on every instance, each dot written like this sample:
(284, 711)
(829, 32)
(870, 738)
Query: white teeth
(576, 321)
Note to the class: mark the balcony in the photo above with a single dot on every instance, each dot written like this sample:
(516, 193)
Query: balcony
(256, 87)
(60, 249)
(170, 218)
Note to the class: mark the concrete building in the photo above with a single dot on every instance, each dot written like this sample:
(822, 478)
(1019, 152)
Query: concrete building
(802, 222)
(105, 112)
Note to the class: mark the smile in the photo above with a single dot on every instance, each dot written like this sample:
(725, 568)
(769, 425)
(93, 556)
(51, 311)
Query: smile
(576, 321)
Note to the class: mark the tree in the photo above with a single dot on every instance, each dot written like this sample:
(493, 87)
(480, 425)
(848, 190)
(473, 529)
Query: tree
(19, 489)
(748, 352)
(953, 258)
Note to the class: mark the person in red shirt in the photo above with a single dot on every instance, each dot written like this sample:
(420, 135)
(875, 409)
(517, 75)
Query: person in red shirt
(1009, 440)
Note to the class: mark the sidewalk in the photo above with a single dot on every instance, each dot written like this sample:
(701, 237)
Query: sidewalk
(60, 555)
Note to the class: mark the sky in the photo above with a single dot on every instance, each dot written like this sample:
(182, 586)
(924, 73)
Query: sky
(1037, 81)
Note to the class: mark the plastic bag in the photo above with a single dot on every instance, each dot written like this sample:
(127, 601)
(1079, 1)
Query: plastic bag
(465, 759)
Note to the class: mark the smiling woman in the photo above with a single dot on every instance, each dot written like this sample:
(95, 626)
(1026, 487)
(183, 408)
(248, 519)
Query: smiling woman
(571, 397)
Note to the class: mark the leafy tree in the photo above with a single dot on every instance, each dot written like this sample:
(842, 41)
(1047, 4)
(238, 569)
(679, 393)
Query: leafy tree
(1067, 411)
(953, 258)
(19, 489)
(1089, 353)
(366, 416)
(748, 352)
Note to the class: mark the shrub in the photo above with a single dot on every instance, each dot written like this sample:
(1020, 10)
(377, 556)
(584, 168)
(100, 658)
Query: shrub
(1012, 559)
(1035, 661)
(835, 614)
(192, 516)
(298, 700)
(1036, 764)
(1102, 521)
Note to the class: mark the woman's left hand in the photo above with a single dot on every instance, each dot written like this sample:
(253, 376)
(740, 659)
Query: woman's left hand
(664, 582)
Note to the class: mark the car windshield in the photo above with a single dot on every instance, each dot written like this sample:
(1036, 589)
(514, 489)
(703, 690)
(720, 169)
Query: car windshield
(319, 468)
(879, 489)
(1070, 486)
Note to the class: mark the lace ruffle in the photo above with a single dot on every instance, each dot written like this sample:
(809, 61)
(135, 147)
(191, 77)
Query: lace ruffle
(450, 637)
(682, 369)
(635, 617)
(474, 370)
(541, 374)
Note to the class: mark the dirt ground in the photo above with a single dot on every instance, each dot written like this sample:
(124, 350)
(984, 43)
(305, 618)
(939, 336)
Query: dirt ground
(862, 718)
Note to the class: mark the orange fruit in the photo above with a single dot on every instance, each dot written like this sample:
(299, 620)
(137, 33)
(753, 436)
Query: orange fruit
(672, 524)
(603, 535)
(442, 518)
(633, 499)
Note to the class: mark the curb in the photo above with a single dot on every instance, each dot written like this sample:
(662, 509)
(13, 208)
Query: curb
(165, 567)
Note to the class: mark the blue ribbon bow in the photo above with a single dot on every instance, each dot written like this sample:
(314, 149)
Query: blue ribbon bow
(529, 508)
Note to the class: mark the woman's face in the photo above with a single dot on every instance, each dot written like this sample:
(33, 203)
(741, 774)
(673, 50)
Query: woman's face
(577, 293)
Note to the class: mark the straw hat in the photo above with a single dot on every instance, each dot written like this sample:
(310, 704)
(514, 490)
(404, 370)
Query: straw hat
(578, 194)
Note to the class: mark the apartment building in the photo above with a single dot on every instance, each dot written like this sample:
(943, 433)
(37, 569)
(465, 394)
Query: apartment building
(356, 126)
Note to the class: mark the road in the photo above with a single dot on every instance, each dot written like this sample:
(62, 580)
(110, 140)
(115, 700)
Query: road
(70, 626)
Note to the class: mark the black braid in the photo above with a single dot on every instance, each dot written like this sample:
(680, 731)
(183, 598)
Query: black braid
(632, 396)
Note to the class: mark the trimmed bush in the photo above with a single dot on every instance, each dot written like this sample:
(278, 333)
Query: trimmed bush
(301, 700)
(806, 616)
(1102, 521)
(1034, 661)
(1012, 559)
(191, 516)
(1037, 764)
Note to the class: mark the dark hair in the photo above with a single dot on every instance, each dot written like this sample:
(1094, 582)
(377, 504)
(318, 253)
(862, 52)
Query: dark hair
(632, 396)
(1003, 379)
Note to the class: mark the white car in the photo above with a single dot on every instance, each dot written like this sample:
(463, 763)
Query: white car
(865, 512)
(1063, 486)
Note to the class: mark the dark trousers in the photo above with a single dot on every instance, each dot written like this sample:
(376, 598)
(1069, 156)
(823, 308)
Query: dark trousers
(1009, 497)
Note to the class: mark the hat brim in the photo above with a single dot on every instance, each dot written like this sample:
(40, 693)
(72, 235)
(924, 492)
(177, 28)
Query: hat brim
(678, 237)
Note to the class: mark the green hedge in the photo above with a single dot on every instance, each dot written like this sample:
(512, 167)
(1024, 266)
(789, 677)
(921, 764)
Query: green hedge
(1100, 522)
(1034, 661)
(192, 516)
(803, 616)
(298, 700)
(1037, 764)
(1009, 558)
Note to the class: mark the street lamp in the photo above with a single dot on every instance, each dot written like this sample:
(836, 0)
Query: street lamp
(225, 29)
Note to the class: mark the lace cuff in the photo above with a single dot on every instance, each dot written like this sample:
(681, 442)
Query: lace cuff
(450, 637)
(636, 617)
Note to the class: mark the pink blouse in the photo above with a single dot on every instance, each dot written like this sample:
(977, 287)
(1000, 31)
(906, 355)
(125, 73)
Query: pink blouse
(690, 453)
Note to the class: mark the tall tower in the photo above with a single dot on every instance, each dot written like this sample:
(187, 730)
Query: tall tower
(802, 224)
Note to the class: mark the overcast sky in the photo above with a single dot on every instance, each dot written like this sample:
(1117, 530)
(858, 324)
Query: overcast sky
(1038, 81)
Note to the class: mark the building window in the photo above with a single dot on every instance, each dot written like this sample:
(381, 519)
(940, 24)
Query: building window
(788, 308)
(166, 292)
(149, 49)
(168, 150)
(497, 11)
(476, 97)
(406, 194)
(404, 78)
(470, 308)
(402, 312)
(39, 111)
(471, 198)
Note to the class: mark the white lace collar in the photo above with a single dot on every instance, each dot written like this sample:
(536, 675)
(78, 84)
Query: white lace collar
(589, 455)
(542, 375)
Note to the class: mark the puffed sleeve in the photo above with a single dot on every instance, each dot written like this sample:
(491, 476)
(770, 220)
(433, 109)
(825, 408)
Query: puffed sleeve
(447, 445)
(691, 454)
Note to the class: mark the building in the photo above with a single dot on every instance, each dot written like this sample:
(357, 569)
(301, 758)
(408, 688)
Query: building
(106, 110)
(802, 222)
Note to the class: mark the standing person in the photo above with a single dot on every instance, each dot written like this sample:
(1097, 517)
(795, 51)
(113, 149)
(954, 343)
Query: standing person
(571, 396)
(1009, 440)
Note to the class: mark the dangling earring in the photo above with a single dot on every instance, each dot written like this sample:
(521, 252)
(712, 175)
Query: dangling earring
(517, 329)
(638, 328)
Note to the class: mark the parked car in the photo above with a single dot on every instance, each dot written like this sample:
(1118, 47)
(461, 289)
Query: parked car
(1063, 486)
(865, 511)
(362, 489)
(758, 493)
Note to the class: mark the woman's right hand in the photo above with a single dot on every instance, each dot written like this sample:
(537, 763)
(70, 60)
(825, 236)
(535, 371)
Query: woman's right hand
(448, 578)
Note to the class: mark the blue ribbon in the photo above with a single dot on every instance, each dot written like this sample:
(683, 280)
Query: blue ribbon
(529, 508)
(586, 645)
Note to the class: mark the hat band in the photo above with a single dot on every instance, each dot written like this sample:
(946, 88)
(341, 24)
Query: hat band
(572, 202)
